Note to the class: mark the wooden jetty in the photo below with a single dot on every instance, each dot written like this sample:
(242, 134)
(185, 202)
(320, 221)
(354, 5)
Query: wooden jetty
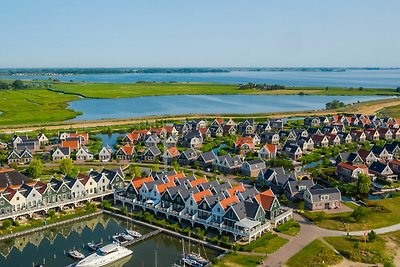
(142, 238)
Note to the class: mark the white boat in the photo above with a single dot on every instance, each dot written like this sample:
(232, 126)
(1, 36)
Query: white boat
(197, 257)
(94, 246)
(127, 237)
(105, 255)
(119, 239)
(76, 254)
(133, 233)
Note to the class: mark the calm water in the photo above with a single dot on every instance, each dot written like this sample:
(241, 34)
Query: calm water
(95, 109)
(109, 139)
(52, 244)
(354, 78)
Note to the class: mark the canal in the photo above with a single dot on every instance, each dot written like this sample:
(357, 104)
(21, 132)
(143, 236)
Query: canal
(51, 246)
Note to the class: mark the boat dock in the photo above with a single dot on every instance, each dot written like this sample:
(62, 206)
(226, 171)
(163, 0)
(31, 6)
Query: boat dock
(142, 238)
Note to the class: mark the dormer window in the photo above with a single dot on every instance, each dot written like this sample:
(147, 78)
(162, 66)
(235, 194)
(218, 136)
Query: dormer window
(324, 197)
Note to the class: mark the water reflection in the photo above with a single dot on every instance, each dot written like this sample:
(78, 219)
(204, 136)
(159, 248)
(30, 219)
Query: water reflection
(51, 245)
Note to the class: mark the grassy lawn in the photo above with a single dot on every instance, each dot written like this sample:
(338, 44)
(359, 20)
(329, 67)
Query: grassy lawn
(380, 213)
(314, 254)
(114, 90)
(237, 260)
(34, 106)
(289, 228)
(352, 249)
(391, 111)
(268, 243)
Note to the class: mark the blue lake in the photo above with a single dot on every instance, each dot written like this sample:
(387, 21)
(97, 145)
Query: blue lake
(95, 109)
(351, 78)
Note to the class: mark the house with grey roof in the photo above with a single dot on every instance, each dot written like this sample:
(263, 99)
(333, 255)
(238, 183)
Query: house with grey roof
(206, 159)
(276, 178)
(187, 157)
(227, 164)
(61, 153)
(294, 188)
(322, 198)
(84, 154)
(152, 154)
(20, 156)
(252, 168)
(105, 154)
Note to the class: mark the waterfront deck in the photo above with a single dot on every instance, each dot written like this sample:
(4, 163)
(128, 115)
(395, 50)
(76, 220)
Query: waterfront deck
(248, 234)
(47, 206)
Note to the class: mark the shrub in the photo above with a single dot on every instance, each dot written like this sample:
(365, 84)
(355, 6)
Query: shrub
(6, 224)
(372, 236)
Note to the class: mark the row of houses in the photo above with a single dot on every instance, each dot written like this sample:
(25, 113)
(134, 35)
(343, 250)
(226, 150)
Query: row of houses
(300, 186)
(378, 162)
(356, 120)
(226, 207)
(20, 195)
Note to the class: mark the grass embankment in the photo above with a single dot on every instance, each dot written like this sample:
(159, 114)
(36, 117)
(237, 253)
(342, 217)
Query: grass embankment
(393, 111)
(15, 226)
(290, 227)
(314, 254)
(34, 106)
(378, 214)
(235, 259)
(117, 90)
(267, 243)
(354, 249)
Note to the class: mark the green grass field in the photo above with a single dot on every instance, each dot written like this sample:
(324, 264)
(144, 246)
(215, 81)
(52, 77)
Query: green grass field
(113, 90)
(391, 111)
(238, 260)
(34, 106)
(267, 243)
(314, 254)
(289, 228)
(376, 217)
(352, 248)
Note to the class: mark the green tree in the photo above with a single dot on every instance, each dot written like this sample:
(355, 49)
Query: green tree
(359, 214)
(51, 213)
(176, 165)
(66, 166)
(135, 171)
(363, 184)
(398, 89)
(35, 168)
(3, 85)
(334, 104)
(17, 84)
(6, 224)
(372, 236)
(155, 168)
(124, 210)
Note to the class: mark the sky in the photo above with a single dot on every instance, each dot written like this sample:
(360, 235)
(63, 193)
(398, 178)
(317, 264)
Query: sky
(199, 33)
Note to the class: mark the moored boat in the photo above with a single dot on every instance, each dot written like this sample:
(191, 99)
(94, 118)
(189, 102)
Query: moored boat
(133, 233)
(105, 255)
(76, 254)
(94, 246)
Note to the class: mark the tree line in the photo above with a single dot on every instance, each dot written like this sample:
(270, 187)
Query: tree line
(17, 85)
(261, 86)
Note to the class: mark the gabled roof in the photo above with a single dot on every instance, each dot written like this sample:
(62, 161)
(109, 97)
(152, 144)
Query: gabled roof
(270, 148)
(266, 199)
(228, 201)
(13, 178)
(178, 175)
(334, 194)
(200, 195)
(351, 167)
(239, 188)
(154, 150)
(208, 156)
(161, 187)
(190, 153)
(378, 167)
(139, 182)
(127, 150)
(72, 144)
(64, 150)
(198, 181)
(173, 152)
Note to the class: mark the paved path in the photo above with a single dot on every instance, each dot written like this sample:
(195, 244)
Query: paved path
(309, 232)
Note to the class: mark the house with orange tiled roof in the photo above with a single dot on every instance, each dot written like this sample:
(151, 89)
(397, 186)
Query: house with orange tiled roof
(244, 144)
(74, 144)
(268, 151)
(218, 121)
(219, 209)
(170, 155)
(198, 181)
(348, 172)
(132, 191)
(84, 137)
(233, 191)
(131, 138)
(158, 189)
(192, 202)
(173, 177)
(273, 210)
(126, 152)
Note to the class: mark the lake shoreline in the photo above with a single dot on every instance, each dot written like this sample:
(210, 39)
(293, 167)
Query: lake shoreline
(368, 107)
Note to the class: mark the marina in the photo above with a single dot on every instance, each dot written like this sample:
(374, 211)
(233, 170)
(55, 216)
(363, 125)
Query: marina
(51, 246)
